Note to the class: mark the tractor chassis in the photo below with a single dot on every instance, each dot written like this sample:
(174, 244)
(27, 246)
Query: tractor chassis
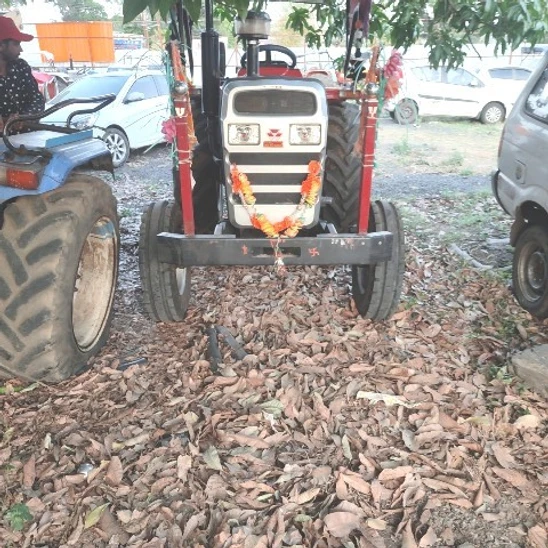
(324, 249)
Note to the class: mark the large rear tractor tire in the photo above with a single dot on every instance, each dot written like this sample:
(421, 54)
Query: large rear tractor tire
(205, 192)
(342, 167)
(166, 288)
(530, 270)
(205, 174)
(376, 288)
(59, 254)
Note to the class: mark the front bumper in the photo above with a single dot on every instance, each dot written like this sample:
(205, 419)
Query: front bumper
(324, 249)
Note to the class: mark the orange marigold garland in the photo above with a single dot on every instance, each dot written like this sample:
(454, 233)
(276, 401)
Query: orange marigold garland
(289, 226)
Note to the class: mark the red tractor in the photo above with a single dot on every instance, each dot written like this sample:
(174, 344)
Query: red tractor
(280, 174)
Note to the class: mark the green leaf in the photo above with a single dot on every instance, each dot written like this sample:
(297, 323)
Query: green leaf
(95, 515)
(273, 407)
(133, 8)
(17, 516)
(211, 458)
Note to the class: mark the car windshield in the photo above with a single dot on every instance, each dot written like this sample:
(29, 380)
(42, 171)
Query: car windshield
(92, 87)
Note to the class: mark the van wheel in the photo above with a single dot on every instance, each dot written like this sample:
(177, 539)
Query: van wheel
(530, 270)
(492, 113)
(406, 112)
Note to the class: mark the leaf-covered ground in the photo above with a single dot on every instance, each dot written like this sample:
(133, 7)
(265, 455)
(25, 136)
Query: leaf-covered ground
(332, 431)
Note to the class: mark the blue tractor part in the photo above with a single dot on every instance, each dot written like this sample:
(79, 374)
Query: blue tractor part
(59, 249)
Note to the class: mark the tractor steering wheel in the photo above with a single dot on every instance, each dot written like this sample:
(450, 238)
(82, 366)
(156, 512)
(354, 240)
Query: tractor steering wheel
(268, 49)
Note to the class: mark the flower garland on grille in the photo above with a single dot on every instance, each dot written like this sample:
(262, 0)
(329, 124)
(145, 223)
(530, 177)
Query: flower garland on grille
(290, 225)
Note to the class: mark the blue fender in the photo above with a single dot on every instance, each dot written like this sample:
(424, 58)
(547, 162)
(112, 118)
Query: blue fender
(65, 158)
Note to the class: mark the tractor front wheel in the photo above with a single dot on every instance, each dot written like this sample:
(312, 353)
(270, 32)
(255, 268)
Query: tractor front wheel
(166, 288)
(376, 288)
(59, 254)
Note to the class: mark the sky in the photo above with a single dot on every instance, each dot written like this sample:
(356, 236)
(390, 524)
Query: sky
(40, 11)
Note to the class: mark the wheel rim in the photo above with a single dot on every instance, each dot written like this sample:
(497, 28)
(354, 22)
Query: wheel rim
(117, 146)
(180, 277)
(493, 115)
(533, 270)
(95, 283)
(406, 111)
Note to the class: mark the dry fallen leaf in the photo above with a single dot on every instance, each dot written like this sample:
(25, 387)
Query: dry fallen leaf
(115, 472)
(341, 524)
(526, 422)
(537, 536)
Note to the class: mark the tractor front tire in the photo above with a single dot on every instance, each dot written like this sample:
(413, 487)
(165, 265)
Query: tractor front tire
(166, 288)
(376, 288)
(59, 253)
(342, 167)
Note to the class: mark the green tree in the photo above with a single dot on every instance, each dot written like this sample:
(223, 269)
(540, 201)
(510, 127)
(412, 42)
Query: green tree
(80, 10)
(445, 26)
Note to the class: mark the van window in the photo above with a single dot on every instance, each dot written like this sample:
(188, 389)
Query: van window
(537, 102)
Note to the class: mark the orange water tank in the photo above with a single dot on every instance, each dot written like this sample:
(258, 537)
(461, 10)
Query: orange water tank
(89, 42)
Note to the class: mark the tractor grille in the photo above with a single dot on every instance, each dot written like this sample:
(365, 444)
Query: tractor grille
(273, 111)
(275, 102)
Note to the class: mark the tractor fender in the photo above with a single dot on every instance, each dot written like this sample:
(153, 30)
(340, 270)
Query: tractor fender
(63, 162)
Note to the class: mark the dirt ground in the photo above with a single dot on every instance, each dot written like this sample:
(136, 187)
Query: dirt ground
(435, 145)
(333, 431)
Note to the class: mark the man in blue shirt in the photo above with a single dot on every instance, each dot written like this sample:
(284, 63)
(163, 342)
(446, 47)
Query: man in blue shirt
(19, 93)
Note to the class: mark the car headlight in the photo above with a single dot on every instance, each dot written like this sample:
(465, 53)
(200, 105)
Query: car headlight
(305, 134)
(244, 134)
(84, 121)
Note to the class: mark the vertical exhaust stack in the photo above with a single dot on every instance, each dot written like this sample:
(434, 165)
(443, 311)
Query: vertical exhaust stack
(255, 27)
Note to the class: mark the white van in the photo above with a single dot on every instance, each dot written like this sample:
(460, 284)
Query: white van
(520, 185)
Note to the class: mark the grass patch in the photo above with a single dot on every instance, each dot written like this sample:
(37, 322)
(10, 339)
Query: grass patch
(402, 148)
(456, 159)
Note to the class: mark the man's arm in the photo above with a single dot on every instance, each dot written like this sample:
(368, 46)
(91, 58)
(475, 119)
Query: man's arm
(33, 101)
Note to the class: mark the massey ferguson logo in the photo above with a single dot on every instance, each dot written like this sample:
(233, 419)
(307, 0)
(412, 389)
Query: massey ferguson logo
(274, 138)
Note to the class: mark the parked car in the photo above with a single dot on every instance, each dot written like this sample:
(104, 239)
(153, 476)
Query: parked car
(520, 185)
(133, 120)
(459, 92)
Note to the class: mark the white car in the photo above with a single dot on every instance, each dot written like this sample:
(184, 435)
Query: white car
(459, 92)
(133, 120)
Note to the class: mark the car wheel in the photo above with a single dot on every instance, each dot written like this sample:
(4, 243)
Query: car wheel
(492, 113)
(530, 270)
(118, 145)
(406, 112)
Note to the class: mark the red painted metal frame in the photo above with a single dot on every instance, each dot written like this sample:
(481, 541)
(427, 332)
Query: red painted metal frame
(368, 125)
(182, 111)
(369, 105)
(274, 71)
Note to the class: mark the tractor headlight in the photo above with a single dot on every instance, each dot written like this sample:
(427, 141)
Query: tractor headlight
(244, 134)
(305, 134)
